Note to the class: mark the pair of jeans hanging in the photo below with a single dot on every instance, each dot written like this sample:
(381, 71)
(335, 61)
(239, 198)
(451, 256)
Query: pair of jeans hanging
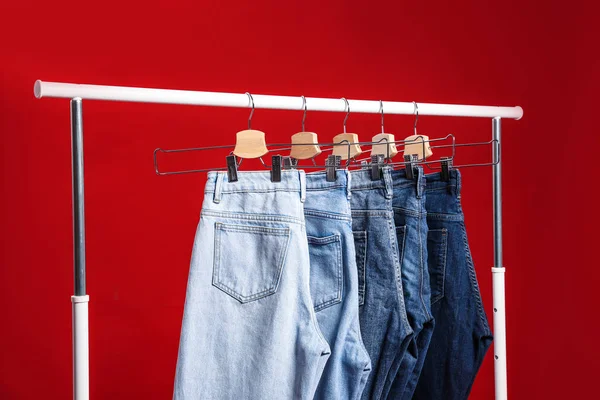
(462, 334)
(271, 307)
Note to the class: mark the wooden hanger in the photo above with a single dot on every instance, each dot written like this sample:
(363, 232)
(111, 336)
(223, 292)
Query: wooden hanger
(416, 143)
(351, 138)
(250, 143)
(383, 143)
(304, 144)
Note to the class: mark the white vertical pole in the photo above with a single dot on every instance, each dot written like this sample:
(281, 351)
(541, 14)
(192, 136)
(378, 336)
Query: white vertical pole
(81, 380)
(498, 273)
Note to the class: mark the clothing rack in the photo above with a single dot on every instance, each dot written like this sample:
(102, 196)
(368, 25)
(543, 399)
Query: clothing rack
(77, 93)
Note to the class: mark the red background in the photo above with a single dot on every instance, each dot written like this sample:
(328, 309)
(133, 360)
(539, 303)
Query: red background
(140, 227)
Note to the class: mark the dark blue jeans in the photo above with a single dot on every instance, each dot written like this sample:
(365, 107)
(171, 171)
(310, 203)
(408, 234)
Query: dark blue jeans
(411, 231)
(462, 335)
(383, 322)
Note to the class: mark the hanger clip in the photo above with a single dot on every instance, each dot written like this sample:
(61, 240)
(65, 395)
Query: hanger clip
(276, 168)
(332, 163)
(446, 167)
(231, 168)
(376, 165)
(411, 160)
(288, 162)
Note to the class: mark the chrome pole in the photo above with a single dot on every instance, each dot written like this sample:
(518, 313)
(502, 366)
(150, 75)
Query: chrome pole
(500, 376)
(80, 299)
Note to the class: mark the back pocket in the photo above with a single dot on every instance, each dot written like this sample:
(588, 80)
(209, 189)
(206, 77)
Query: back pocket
(248, 260)
(325, 270)
(360, 246)
(437, 247)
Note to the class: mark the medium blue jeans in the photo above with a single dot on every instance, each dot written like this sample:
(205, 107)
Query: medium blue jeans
(411, 230)
(249, 328)
(334, 285)
(462, 335)
(383, 321)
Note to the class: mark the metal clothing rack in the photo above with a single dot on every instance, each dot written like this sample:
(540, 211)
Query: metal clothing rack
(77, 93)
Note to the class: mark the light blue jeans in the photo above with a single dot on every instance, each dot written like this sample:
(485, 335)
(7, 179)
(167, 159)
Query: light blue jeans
(249, 328)
(334, 285)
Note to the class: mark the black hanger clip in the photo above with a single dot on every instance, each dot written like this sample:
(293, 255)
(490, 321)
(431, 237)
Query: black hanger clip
(331, 164)
(376, 165)
(288, 163)
(446, 167)
(410, 160)
(276, 168)
(231, 169)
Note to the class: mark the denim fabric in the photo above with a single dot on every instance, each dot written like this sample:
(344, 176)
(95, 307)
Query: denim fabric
(411, 230)
(334, 285)
(383, 321)
(462, 335)
(249, 328)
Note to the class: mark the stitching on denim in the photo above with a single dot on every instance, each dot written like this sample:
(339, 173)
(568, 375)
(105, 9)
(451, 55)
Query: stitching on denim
(444, 187)
(441, 262)
(422, 261)
(257, 190)
(372, 213)
(327, 215)
(324, 188)
(411, 213)
(398, 267)
(252, 217)
(473, 278)
(252, 229)
(335, 239)
(445, 217)
(363, 270)
(220, 227)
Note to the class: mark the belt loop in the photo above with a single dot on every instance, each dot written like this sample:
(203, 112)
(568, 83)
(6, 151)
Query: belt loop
(389, 186)
(218, 187)
(458, 183)
(348, 186)
(302, 185)
(420, 182)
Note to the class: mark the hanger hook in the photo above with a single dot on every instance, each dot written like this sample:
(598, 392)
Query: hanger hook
(304, 116)
(346, 107)
(417, 116)
(381, 110)
(251, 112)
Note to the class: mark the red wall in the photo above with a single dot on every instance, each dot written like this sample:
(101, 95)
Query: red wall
(140, 227)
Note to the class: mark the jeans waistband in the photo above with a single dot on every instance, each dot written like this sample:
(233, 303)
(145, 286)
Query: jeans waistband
(361, 180)
(434, 182)
(256, 182)
(318, 181)
(401, 182)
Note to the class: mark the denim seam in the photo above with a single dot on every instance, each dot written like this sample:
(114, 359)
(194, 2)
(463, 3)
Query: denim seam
(230, 291)
(371, 213)
(252, 229)
(422, 266)
(339, 262)
(256, 190)
(252, 217)
(324, 188)
(398, 269)
(362, 288)
(411, 213)
(445, 217)
(473, 279)
(444, 255)
(327, 215)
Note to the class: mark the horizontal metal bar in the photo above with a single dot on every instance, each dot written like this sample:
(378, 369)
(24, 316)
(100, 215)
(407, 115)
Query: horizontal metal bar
(146, 95)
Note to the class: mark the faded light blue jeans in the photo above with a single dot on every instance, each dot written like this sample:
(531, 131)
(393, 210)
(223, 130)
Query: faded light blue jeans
(249, 327)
